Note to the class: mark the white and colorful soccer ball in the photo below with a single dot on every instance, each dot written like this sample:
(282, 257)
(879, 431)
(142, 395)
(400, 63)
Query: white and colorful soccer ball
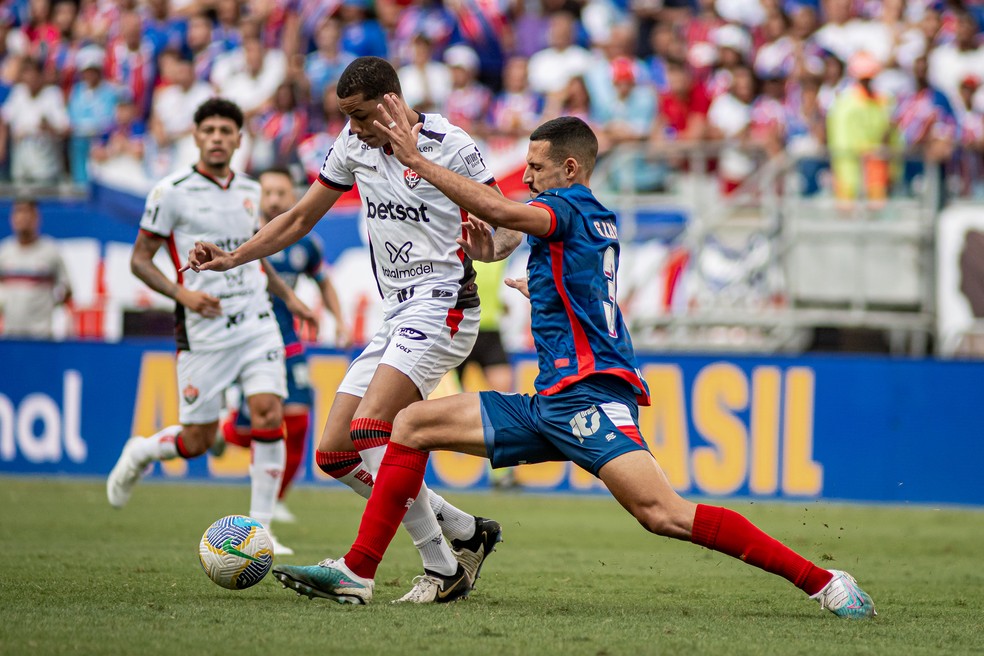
(236, 552)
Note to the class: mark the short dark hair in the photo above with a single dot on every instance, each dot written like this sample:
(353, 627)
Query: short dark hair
(277, 170)
(219, 107)
(373, 77)
(569, 136)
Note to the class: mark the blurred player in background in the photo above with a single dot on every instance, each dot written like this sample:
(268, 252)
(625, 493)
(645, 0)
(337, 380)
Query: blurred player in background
(305, 258)
(431, 307)
(33, 277)
(488, 353)
(589, 387)
(224, 324)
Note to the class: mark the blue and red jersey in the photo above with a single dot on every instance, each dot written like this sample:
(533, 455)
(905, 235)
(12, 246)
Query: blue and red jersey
(303, 258)
(577, 326)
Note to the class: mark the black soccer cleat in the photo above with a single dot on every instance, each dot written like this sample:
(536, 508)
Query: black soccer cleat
(471, 553)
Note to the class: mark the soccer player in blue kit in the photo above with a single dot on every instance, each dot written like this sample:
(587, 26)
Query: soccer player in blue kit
(588, 389)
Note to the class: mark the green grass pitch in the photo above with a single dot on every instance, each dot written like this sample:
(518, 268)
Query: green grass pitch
(575, 575)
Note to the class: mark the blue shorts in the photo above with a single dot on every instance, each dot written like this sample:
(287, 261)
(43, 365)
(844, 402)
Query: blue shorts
(298, 387)
(590, 423)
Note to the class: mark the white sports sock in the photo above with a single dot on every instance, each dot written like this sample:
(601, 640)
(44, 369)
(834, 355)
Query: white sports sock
(455, 523)
(266, 472)
(359, 479)
(162, 445)
(372, 458)
(422, 525)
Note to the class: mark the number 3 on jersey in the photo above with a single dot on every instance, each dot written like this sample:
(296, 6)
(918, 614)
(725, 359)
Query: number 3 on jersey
(610, 304)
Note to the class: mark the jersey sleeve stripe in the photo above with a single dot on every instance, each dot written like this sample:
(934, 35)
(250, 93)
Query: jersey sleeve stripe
(172, 249)
(333, 185)
(491, 182)
(436, 136)
(582, 348)
(553, 217)
(154, 234)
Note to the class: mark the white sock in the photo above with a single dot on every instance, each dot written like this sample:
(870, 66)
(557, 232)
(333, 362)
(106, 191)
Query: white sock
(420, 521)
(422, 525)
(265, 473)
(455, 523)
(162, 445)
(359, 479)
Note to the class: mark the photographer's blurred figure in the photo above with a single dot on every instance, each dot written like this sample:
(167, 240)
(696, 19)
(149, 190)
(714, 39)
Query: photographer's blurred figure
(33, 279)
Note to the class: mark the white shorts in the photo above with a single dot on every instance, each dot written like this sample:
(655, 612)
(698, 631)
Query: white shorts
(203, 376)
(424, 339)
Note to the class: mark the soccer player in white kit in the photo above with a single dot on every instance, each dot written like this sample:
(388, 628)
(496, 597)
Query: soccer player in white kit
(424, 276)
(224, 324)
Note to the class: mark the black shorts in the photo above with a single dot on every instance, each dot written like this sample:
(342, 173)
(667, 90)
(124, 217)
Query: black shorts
(487, 352)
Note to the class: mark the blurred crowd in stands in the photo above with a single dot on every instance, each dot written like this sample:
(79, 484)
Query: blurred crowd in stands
(116, 82)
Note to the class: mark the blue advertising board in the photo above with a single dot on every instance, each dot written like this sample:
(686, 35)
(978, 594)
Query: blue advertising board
(850, 428)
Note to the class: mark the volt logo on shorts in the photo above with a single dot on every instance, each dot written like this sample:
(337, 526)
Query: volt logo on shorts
(585, 423)
(395, 211)
(411, 333)
(399, 252)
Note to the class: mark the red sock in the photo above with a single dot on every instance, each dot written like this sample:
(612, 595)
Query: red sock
(297, 430)
(267, 434)
(180, 446)
(234, 434)
(368, 433)
(398, 482)
(730, 533)
(337, 463)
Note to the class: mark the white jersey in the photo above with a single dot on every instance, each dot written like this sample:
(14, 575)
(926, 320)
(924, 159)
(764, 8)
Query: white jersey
(412, 225)
(189, 206)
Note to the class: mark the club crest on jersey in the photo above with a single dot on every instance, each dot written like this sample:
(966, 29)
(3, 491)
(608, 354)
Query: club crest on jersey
(411, 177)
(249, 207)
(190, 394)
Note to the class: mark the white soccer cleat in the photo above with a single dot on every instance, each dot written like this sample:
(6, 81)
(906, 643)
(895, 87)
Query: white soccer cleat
(278, 548)
(282, 514)
(844, 598)
(125, 474)
(431, 588)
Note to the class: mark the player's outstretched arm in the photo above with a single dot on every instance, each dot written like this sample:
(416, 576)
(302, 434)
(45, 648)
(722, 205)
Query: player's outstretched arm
(272, 238)
(343, 338)
(279, 288)
(143, 267)
(478, 199)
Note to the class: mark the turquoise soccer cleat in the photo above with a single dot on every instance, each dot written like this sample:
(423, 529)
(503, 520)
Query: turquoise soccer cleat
(843, 597)
(329, 579)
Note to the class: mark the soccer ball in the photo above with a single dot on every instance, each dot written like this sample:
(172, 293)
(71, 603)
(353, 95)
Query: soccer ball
(236, 552)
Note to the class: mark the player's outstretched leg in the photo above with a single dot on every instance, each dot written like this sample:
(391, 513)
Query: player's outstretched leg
(641, 487)
(138, 453)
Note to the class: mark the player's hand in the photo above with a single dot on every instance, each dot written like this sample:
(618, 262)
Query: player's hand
(343, 338)
(204, 304)
(300, 310)
(476, 240)
(402, 136)
(208, 257)
(522, 284)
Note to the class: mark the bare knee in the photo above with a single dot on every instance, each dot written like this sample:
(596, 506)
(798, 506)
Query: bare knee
(266, 411)
(409, 427)
(197, 438)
